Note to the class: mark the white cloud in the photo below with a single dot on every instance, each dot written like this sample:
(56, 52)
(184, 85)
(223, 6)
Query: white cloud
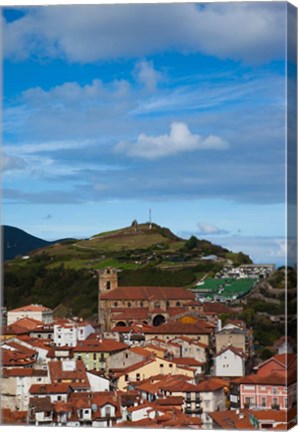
(147, 75)
(179, 140)
(11, 163)
(209, 229)
(239, 31)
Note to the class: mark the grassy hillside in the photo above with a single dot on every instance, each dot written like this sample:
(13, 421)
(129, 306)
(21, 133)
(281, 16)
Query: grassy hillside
(63, 275)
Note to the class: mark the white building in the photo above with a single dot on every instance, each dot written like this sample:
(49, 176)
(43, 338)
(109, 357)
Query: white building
(69, 333)
(230, 362)
(34, 311)
(98, 383)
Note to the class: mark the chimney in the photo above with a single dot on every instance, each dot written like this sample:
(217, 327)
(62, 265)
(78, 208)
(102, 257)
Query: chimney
(219, 324)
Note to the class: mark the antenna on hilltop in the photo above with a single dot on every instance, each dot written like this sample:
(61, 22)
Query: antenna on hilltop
(150, 220)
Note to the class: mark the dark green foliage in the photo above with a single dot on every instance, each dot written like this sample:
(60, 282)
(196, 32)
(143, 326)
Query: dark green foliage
(265, 353)
(156, 277)
(35, 283)
(191, 243)
(278, 278)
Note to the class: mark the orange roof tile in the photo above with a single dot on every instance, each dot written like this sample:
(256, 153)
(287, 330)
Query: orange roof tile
(49, 388)
(31, 308)
(148, 292)
(94, 345)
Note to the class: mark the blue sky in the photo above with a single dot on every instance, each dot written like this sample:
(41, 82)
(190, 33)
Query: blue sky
(111, 110)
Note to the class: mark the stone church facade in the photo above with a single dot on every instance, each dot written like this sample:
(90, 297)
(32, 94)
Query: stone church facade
(124, 306)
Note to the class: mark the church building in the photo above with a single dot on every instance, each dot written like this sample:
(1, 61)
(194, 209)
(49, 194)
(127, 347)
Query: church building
(127, 305)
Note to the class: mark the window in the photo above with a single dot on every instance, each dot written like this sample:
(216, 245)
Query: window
(178, 303)
(59, 398)
(115, 304)
(274, 390)
(286, 402)
(161, 365)
(263, 403)
(275, 401)
(94, 356)
(86, 411)
(171, 365)
(108, 285)
(126, 377)
(108, 411)
(129, 304)
(141, 304)
(138, 377)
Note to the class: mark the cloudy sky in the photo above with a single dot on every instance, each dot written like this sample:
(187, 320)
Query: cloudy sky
(112, 110)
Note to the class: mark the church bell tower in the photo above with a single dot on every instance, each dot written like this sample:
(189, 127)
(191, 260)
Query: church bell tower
(107, 281)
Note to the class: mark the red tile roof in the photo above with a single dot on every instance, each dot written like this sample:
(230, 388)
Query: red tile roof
(62, 407)
(170, 400)
(28, 323)
(285, 360)
(273, 379)
(216, 308)
(105, 345)
(22, 372)
(77, 375)
(56, 388)
(31, 308)
(21, 349)
(231, 419)
(211, 385)
(15, 358)
(131, 313)
(148, 293)
(187, 361)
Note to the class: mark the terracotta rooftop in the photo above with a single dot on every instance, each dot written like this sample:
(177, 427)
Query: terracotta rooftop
(13, 417)
(148, 293)
(16, 347)
(285, 360)
(62, 407)
(231, 419)
(211, 385)
(187, 361)
(15, 358)
(21, 371)
(131, 313)
(31, 308)
(29, 323)
(104, 345)
(141, 351)
(56, 388)
(58, 374)
(271, 379)
(216, 308)
(41, 404)
(170, 400)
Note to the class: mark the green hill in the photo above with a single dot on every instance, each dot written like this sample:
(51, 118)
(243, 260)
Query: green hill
(63, 275)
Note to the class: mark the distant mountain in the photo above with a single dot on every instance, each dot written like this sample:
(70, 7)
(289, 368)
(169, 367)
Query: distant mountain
(17, 242)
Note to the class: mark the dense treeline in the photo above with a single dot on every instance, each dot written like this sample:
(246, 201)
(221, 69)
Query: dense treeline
(156, 277)
(34, 283)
